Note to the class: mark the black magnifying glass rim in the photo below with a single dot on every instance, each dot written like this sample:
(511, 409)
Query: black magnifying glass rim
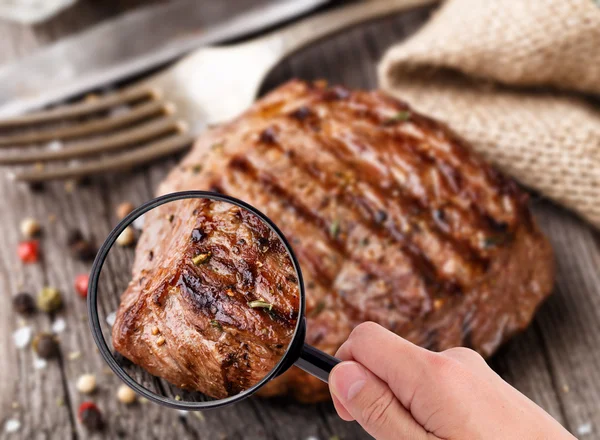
(92, 301)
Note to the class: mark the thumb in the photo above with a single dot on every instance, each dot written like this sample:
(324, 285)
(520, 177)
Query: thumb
(371, 403)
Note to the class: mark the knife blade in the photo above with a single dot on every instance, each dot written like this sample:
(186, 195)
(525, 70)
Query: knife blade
(131, 44)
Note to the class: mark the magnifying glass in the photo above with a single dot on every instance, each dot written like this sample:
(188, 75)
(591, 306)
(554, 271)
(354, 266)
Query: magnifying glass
(207, 309)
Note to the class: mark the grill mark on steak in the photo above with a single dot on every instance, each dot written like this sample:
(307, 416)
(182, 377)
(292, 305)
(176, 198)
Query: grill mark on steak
(416, 194)
(417, 259)
(338, 147)
(371, 216)
(454, 157)
(407, 210)
(315, 261)
(243, 165)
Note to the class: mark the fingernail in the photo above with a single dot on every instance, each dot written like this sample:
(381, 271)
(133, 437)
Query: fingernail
(347, 380)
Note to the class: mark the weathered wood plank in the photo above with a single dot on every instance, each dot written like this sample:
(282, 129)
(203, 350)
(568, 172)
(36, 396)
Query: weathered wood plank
(569, 323)
(28, 394)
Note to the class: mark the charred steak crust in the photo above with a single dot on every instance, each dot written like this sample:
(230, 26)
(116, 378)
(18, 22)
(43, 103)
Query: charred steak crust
(391, 216)
(187, 315)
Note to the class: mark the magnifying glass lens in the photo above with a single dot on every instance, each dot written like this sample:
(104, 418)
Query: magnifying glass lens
(197, 300)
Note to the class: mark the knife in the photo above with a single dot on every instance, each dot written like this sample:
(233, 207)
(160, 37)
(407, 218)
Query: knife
(131, 44)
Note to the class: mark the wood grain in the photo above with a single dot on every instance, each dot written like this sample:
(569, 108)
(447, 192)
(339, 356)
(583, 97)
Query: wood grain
(556, 362)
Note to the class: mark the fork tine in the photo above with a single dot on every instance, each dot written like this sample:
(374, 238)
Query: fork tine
(138, 113)
(81, 108)
(124, 161)
(121, 139)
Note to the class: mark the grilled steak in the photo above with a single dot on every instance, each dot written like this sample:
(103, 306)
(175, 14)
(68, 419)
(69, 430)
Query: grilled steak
(214, 299)
(392, 218)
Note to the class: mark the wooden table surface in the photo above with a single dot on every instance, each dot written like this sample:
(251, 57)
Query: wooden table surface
(556, 362)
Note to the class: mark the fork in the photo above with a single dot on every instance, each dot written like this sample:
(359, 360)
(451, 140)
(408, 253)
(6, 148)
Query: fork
(162, 114)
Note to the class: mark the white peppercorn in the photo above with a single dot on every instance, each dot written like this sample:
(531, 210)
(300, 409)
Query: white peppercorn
(127, 237)
(30, 227)
(123, 209)
(86, 383)
(126, 395)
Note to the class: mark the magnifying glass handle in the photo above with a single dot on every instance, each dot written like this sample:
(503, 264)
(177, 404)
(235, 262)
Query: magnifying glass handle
(316, 363)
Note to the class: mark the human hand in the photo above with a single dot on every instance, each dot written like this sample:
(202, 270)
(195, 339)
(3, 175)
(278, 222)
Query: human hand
(397, 390)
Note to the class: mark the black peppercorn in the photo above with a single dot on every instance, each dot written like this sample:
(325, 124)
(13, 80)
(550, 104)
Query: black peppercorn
(90, 416)
(380, 217)
(45, 345)
(36, 187)
(74, 236)
(83, 250)
(24, 304)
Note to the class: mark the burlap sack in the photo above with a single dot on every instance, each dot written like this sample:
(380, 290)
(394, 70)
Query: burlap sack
(508, 75)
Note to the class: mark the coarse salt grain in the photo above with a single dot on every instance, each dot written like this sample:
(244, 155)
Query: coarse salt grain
(12, 425)
(584, 429)
(39, 363)
(59, 326)
(22, 337)
(111, 318)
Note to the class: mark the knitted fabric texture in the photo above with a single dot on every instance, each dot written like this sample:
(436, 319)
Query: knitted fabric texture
(519, 80)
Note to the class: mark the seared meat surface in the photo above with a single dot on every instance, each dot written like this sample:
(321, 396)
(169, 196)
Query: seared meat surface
(214, 299)
(392, 218)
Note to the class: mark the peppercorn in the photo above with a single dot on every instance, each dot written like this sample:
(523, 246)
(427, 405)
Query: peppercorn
(74, 236)
(36, 187)
(23, 303)
(79, 247)
(49, 300)
(90, 416)
(81, 284)
(126, 395)
(83, 250)
(45, 345)
(123, 209)
(127, 237)
(30, 227)
(86, 383)
(28, 251)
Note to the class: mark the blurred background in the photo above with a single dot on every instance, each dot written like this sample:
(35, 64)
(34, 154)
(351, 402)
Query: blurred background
(50, 230)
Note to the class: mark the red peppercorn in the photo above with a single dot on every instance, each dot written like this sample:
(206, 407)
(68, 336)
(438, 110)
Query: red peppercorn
(81, 284)
(90, 416)
(28, 251)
